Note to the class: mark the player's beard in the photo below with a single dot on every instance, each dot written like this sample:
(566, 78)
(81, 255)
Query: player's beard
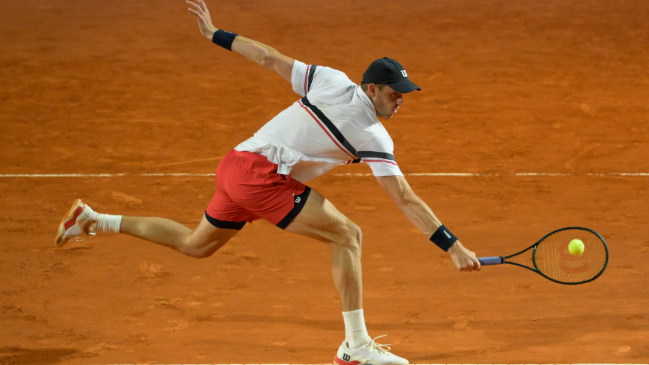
(389, 112)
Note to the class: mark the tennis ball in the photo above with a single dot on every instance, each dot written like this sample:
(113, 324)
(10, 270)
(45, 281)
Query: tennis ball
(576, 247)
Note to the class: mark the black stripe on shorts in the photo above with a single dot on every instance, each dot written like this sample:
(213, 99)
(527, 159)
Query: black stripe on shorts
(298, 204)
(224, 224)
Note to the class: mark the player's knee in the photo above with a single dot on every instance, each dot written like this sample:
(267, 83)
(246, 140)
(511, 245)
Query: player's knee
(352, 236)
(194, 252)
(199, 250)
(358, 235)
(198, 253)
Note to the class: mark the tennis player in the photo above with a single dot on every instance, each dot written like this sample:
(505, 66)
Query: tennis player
(335, 122)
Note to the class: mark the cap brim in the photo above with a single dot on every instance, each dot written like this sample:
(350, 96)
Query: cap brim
(404, 86)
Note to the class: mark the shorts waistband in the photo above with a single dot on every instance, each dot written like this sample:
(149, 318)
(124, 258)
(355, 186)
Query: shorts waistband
(250, 155)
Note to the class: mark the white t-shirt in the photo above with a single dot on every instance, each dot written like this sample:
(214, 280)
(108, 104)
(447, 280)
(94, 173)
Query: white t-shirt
(333, 124)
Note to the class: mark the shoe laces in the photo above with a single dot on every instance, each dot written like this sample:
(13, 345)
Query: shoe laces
(87, 234)
(380, 348)
(84, 237)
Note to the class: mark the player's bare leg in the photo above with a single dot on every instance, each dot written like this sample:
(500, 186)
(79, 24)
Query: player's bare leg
(200, 243)
(319, 219)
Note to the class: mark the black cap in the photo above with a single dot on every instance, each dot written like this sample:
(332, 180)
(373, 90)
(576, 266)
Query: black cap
(389, 72)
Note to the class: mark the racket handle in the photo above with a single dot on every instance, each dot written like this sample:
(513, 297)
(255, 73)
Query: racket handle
(494, 260)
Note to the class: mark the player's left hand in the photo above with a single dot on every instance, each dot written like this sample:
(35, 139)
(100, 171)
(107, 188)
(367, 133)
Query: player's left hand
(204, 19)
(463, 258)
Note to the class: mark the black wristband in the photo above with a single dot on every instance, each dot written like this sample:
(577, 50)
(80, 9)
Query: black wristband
(224, 39)
(443, 238)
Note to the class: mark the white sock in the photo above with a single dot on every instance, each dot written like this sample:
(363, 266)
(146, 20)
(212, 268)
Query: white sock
(355, 330)
(108, 223)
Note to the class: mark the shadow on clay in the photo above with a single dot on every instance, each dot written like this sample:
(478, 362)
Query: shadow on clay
(20, 355)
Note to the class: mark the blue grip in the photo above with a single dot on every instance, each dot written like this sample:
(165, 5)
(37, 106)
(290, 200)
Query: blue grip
(494, 260)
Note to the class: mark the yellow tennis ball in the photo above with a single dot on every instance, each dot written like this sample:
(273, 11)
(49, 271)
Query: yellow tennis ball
(576, 247)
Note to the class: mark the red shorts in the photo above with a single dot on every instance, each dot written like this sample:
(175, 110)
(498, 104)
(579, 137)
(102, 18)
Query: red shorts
(249, 188)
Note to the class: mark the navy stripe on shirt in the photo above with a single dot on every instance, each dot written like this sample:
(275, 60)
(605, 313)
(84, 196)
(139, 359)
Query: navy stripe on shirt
(330, 126)
(311, 73)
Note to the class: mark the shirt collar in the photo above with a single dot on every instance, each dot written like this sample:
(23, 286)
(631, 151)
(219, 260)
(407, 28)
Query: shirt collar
(365, 100)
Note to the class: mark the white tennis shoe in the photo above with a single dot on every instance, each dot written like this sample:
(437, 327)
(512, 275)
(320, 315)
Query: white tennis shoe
(370, 354)
(75, 223)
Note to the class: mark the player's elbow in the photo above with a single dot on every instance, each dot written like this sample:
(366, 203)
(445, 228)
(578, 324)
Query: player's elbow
(266, 57)
(402, 203)
(406, 200)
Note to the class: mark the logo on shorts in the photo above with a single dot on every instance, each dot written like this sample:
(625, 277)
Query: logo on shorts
(404, 73)
(346, 357)
(298, 200)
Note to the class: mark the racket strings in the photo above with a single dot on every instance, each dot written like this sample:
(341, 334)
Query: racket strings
(553, 259)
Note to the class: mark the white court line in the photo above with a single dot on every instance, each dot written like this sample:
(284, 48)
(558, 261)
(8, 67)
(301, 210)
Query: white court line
(107, 175)
(62, 175)
(467, 174)
(178, 174)
(434, 174)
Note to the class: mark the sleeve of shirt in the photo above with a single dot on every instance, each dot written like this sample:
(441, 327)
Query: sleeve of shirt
(378, 155)
(306, 78)
(298, 76)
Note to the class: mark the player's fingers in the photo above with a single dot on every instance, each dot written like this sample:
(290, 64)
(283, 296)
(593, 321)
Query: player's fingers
(193, 12)
(191, 3)
(467, 267)
(471, 264)
(201, 17)
(196, 7)
(196, 13)
(203, 6)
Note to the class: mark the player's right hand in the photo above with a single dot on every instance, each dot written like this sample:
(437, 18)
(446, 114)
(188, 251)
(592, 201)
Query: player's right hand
(204, 19)
(463, 258)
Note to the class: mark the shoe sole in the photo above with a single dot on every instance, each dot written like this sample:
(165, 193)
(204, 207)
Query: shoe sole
(69, 220)
(339, 361)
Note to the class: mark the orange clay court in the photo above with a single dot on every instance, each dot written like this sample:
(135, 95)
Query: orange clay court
(557, 90)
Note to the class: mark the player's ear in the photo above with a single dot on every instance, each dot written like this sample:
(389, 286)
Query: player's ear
(372, 89)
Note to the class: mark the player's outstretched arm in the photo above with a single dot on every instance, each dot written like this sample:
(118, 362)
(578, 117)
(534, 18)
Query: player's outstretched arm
(424, 219)
(261, 54)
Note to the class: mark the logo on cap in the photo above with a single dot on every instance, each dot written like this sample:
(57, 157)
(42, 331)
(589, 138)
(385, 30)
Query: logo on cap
(404, 73)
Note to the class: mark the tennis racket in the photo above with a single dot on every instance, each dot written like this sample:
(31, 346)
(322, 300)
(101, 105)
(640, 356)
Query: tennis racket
(553, 261)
